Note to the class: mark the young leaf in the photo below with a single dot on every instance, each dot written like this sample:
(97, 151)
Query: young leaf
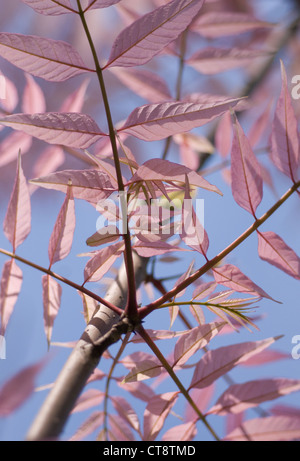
(139, 390)
(181, 433)
(220, 361)
(126, 412)
(18, 389)
(10, 287)
(247, 184)
(285, 138)
(144, 370)
(163, 170)
(51, 300)
(158, 121)
(146, 37)
(89, 306)
(93, 4)
(198, 337)
(90, 398)
(33, 97)
(209, 61)
(120, 430)
(17, 222)
(230, 276)
(93, 422)
(272, 249)
(62, 236)
(240, 397)
(69, 129)
(50, 7)
(144, 83)
(156, 412)
(270, 429)
(51, 60)
(101, 262)
(221, 24)
(202, 398)
(89, 185)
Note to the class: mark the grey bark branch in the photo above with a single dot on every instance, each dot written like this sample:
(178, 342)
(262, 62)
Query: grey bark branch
(104, 329)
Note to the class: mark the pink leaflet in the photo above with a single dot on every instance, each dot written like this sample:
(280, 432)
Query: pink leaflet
(93, 4)
(285, 138)
(12, 98)
(198, 337)
(158, 121)
(148, 368)
(18, 389)
(241, 397)
(105, 235)
(17, 222)
(220, 361)
(102, 261)
(221, 24)
(126, 412)
(272, 249)
(33, 97)
(191, 147)
(202, 398)
(92, 423)
(48, 161)
(156, 412)
(49, 7)
(61, 239)
(10, 146)
(10, 287)
(139, 390)
(209, 61)
(150, 34)
(51, 60)
(74, 102)
(246, 180)
(224, 135)
(230, 276)
(270, 429)
(148, 249)
(120, 430)
(68, 129)
(181, 433)
(144, 83)
(89, 185)
(51, 301)
(163, 170)
(90, 398)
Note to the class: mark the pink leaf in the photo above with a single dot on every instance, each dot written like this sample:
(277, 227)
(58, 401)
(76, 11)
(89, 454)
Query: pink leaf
(11, 98)
(223, 23)
(139, 390)
(146, 37)
(101, 262)
(144, 370)
(126, 412)
(182, 433)
(90, 185)
(106, 235)
(220, 361)
(69, 129)
(201, 398)
(285, 138)
(51, 60)
(89, 306)
(120, 431)
(241, 397)
(224, 135)
(48, 161)
(74, 102)
(272, 249)
(163, 170)
(93, 422)
(10, 287)
(144, 83)
(230, 276)
(49, 7)
(18, 389)
(156, 412)
(11, 145)
(209, 61)
(197, 338)
(247, 184)
(62, 236)
(158, 121)
(17, 222)
(51, 300)
(267, 356)
(93, 4)
(270, 429)
(148, 249)
(90, 398)
(33, 97)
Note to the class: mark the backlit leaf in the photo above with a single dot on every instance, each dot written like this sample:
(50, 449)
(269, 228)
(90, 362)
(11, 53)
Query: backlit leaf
(10, 287)
(51, 300)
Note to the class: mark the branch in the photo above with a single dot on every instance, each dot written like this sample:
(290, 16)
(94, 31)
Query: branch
(104, 329)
